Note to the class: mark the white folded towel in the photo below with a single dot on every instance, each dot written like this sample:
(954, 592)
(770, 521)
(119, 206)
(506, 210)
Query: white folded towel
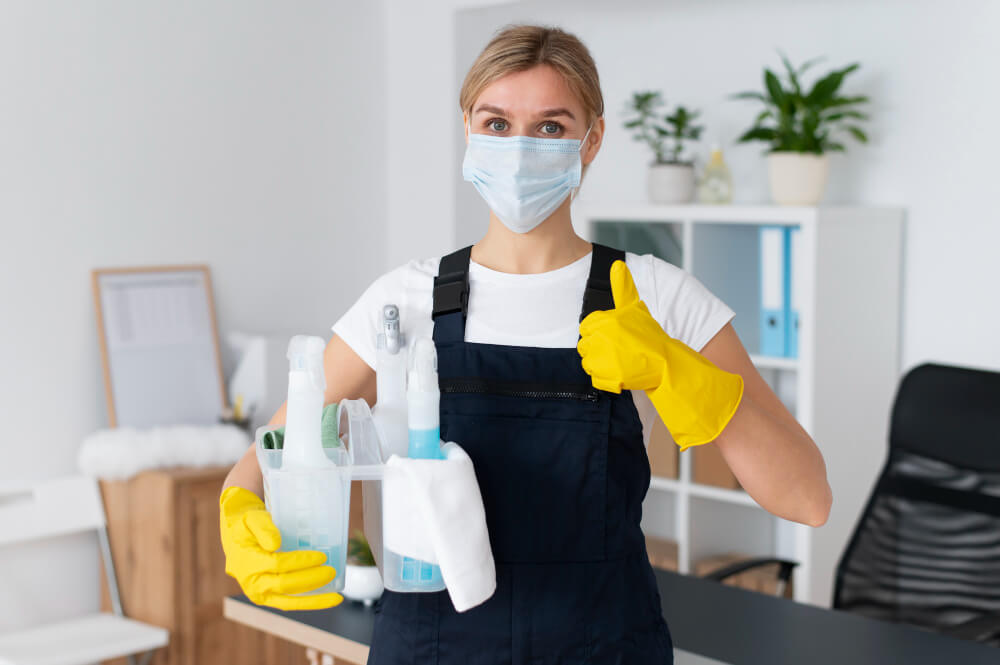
(433, 512)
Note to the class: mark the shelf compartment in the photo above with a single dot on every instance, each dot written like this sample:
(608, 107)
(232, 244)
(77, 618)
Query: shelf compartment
(661, 239)
(774, 362)
(726, 258)
(738, 497)
(718, 527)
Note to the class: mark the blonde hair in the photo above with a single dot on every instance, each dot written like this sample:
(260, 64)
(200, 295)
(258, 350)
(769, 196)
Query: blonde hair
(516, 48)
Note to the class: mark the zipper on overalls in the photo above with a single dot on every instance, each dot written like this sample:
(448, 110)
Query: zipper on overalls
(578, 391)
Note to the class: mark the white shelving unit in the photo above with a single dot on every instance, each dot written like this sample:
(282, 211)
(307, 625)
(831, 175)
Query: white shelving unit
(840, 387)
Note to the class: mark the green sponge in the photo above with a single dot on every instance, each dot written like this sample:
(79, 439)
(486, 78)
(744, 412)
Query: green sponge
(328, 427)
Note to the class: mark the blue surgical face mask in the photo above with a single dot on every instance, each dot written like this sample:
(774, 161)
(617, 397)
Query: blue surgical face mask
(523, 178)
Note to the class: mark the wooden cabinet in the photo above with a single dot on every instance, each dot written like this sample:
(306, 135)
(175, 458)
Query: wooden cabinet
(164, 532)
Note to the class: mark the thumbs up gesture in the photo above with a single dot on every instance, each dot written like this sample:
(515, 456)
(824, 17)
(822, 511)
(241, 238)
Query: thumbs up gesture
(626, 348)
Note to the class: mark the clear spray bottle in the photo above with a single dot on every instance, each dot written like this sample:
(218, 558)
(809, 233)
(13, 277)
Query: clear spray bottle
(423, 399)
(390, 382)
(310, 492)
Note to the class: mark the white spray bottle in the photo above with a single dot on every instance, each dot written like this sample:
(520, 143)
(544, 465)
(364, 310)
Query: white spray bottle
(303, 443)
(310, 492)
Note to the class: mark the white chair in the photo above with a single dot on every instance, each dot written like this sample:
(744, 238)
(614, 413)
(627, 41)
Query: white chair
(57, 507)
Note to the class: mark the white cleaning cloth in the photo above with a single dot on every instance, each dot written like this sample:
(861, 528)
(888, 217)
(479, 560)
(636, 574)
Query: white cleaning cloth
(433, 511)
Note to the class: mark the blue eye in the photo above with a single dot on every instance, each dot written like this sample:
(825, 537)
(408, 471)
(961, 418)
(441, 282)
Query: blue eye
(556, 125)
(492, 124)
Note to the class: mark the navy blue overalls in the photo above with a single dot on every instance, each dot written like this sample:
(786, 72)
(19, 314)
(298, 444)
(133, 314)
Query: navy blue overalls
(562, 470)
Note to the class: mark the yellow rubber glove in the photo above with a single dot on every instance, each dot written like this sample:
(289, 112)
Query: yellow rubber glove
(626, 348)
(268, 577)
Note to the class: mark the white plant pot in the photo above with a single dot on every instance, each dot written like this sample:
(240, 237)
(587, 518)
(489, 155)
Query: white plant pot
(362, 583)
(671, 183)
(797, 178)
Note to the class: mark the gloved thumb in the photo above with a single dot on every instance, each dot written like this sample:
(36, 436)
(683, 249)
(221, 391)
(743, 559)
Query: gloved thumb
(622, 287)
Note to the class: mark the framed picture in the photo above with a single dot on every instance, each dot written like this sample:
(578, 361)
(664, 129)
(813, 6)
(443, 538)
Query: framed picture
(159, 346)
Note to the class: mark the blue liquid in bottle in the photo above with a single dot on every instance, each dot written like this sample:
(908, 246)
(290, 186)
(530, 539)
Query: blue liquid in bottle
(336, 556)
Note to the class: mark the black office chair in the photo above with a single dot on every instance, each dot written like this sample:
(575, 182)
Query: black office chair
(926, 550)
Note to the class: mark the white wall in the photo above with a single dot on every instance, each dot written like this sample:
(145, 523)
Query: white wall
(426, 123)
(249, 136)
(928, 68)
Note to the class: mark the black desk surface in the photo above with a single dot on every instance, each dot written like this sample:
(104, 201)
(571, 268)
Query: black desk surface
(743, 628)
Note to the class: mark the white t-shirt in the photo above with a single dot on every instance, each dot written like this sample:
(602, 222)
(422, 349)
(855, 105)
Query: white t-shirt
(539, 309)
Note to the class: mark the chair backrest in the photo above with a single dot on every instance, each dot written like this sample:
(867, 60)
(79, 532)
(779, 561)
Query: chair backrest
(926, 550)
(951, 414)
(49, 508)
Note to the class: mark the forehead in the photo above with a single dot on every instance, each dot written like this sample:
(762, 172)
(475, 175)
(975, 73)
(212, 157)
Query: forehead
(529, 91)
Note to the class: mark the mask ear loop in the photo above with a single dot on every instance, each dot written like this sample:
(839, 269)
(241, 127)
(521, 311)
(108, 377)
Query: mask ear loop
(583, 142)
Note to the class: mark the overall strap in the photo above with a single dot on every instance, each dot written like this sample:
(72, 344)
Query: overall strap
(451, 296)
(598, 293)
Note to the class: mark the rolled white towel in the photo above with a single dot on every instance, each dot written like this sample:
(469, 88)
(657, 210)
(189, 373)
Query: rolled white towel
(119, 453)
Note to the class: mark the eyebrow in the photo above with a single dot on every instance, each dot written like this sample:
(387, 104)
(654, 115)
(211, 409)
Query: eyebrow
(547, 113)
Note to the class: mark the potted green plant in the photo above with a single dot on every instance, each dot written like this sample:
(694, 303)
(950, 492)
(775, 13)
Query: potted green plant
(671, 177)
(801, 127)
(363, 581)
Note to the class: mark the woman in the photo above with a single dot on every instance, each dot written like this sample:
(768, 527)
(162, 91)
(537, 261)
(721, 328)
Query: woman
(554, 412)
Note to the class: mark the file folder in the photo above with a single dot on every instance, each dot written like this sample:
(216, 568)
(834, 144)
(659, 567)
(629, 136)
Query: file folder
(795, 266)
(773, 289)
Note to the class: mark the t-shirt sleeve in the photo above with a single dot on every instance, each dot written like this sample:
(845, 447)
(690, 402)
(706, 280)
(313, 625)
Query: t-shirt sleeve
(688, 311)
(359, 325)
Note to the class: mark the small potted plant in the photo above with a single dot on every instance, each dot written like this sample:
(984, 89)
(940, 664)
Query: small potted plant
(363, 581)
(671, 178)
(801, 127)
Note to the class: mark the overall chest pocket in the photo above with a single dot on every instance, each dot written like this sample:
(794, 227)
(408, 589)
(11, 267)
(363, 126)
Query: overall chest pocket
(541, 460)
